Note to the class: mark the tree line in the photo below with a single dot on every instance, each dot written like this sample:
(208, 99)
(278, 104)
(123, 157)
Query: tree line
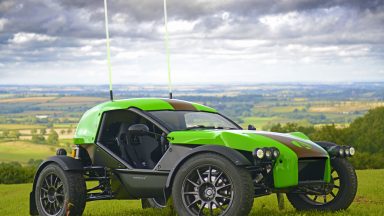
(365, 133)
(39, 137)
(15, 173)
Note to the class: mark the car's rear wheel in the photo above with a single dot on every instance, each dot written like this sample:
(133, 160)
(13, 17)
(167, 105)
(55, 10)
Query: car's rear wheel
(338, 197)
(60, 192)
(208, 184)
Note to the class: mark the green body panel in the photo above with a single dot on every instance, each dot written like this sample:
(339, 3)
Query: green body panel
(299, 135)
(87, 128)
(327, 171)
(285, 171)
(203, 108)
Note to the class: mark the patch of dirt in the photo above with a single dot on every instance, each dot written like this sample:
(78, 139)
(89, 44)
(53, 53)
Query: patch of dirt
(365, 200)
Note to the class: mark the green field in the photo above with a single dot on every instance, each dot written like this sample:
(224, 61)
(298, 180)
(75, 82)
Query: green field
(22, 151)
(19, 126)
(22, 112)
(369, 201)
(261, 122)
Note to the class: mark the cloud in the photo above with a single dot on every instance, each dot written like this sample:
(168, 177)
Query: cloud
(6, 5)
(2, 23)
(25, 37)
(233, 35)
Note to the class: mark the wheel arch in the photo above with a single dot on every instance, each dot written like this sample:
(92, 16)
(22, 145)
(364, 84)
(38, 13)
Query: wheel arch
(65, 162)
(232, 155)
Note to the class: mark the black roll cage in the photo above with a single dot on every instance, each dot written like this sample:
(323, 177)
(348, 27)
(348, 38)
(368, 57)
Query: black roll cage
(151, 118)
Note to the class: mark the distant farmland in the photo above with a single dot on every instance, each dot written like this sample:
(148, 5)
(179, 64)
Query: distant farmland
(24, 109)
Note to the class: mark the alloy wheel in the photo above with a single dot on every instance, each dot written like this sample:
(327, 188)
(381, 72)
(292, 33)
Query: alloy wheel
(207, 190)
(330, 193)
(52, 194)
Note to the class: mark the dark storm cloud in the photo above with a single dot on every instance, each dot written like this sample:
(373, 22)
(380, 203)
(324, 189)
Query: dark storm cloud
(144, 10)
(84, 18)
(48, 17)
(57, 30)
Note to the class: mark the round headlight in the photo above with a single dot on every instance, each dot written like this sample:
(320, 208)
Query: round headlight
(268, 153)
(347, 153)
(341, 151)
(258, 153)
(352, 151)
(276, 153)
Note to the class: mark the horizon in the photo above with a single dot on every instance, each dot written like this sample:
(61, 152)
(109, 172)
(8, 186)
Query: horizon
(201, 84)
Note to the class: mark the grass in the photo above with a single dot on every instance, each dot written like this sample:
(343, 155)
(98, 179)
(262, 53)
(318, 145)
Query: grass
(27, 100)
(20, 126)
(263, 123)
(285, 109)
(344, 107)
(48, 99)
(369, 201)
(75, 99)
(260, 122)
(66, 126)
(22, 151)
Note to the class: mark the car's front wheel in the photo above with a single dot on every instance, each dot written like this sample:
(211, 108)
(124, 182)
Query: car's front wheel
(209, 184)
(60, 192)
(338, 197)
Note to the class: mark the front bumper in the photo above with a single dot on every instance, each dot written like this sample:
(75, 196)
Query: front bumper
(311, 169)
(292, 172)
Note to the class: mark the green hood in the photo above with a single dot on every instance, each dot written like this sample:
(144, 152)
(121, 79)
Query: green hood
(292, 146)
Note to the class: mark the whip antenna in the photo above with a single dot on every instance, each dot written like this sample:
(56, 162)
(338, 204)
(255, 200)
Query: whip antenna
(108, 49)
(167, 49)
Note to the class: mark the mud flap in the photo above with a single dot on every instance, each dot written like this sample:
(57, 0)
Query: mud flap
(32, 204)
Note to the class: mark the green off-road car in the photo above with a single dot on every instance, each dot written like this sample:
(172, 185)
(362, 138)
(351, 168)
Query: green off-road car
(156, 149)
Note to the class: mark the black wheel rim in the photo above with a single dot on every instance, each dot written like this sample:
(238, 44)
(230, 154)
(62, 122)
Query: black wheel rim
(52, 194)
(330, 193)
(207, 190)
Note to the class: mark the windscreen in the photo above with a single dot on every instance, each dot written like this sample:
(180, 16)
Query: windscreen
(190, 120)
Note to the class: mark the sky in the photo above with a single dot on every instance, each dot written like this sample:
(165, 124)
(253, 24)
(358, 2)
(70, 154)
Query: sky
(211, 41)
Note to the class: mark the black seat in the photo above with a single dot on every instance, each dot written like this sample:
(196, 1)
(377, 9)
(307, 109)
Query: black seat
(121, 140)
(136, 149)
(143, 146)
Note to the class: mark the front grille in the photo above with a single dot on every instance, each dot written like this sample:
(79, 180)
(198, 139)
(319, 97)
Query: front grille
(311, 169)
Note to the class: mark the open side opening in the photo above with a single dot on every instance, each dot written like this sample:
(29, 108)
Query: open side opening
(141, 151)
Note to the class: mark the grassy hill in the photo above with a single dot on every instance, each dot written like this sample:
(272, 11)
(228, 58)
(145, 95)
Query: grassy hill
(22, 151)
(369, 201)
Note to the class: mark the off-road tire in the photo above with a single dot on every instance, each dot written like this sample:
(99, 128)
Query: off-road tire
(345, 196)
(74, 189)
(243, 189)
